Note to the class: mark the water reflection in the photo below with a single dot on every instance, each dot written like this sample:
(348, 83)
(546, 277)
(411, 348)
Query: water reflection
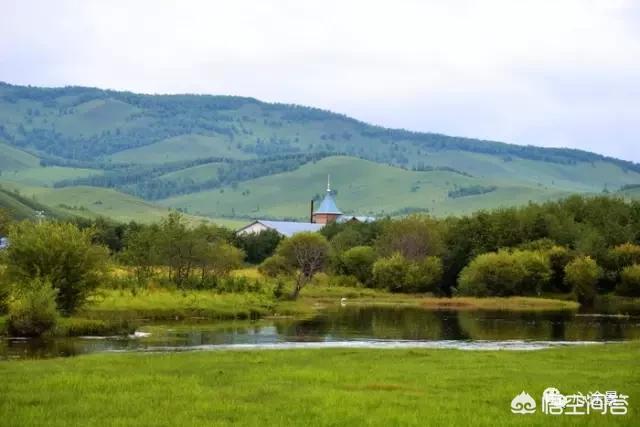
(353, 324)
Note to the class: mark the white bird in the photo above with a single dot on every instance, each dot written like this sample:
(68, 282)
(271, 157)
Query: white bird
(343, 301)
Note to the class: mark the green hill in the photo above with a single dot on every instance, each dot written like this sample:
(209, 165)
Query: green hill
(363, 187)
(21, 207)
(234, 156)
(12, 159)
(87, 202)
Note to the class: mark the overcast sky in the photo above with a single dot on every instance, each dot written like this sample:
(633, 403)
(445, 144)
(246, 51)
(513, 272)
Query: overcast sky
(552, 73)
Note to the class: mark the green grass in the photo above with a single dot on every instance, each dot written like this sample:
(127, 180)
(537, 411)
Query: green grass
(163, 304)
(364, 187)
(47, 176)
(196, 174)
(184, 147)
(314, 387)
(21, 206)
(13, 159)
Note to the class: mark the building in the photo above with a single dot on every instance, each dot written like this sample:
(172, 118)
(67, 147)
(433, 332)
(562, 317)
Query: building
(285, 228)
(326, 213)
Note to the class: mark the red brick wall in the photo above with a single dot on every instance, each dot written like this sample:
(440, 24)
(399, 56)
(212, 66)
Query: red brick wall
(324, 218)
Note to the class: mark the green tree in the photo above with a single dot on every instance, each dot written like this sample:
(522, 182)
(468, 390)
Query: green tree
(391, 273)
(424, 275)
(582, 275)
(306, 252)
(358, 262)
(32, 310)
(629, 285)
(624, 255)
(141, 252)
(275, 266)
(217, 258)
(258, 246)
(536, 271)
(414, 237)
(178, 248)
(5, 222)
(59, 253)
(559, 257)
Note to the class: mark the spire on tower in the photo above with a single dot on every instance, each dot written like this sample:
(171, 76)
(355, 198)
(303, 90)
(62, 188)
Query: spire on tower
(328, 183)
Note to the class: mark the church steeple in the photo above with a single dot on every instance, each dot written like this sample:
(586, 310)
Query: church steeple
(328, 210)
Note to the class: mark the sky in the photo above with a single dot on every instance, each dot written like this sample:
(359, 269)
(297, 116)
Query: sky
(558, 73)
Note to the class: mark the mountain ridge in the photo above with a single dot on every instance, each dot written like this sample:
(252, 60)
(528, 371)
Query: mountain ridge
(174, 148)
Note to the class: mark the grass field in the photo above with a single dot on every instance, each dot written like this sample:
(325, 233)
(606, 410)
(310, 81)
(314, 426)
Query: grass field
(184, 147)
(13, 159)
(47, 176)
(363, 187)
(314, 387)
(162, 304)
(90, 202)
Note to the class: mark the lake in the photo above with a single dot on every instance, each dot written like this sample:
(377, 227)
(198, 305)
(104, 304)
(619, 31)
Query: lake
(353, 326)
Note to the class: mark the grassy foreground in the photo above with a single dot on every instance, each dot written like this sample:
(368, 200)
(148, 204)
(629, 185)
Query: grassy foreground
(313, 387)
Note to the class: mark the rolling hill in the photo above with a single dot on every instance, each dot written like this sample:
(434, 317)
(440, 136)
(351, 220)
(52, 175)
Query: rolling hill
(225, 156)
(364, 187)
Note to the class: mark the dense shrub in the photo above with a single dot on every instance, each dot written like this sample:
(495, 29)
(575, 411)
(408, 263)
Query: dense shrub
(32, 310)
(414, 237)
(559, 257)
(275, 266)
(494, 273)
(423, 276)
(390, 273)
(258, 246)
(358, 262)
(629, 281)
(59, 253)
(536, 271)
(625, 255)
(505, 273)
(582, 275)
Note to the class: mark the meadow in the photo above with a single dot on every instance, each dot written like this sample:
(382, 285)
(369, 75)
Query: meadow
(314, 387)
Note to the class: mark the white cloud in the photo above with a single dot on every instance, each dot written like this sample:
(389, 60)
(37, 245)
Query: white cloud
(530, 72)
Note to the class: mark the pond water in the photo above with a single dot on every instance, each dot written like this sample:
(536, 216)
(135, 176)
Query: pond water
(353, 326)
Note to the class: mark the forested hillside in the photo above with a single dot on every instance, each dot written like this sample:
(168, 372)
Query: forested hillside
(232, 156)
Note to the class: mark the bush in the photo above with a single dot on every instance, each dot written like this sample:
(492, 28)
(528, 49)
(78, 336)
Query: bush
(58, 253)
(4, 296)
(625, 255)
(390, 273)
(536, 272)
(559, 257)
(505, 273)
(258, 246)
(414, 237)
(491, 274)
(629, 285)
(358, 262)
(582, 275)
(32, 310)
(275, 266)
(424, 276)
